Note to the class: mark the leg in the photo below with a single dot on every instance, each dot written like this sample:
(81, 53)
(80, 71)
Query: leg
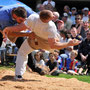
(22, 58)
(19, 41)
(1, 39)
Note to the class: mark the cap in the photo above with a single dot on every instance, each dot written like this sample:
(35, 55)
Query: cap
(60, 21)
(89, 13)
(65, 14)
(73, 8)
(86, 8)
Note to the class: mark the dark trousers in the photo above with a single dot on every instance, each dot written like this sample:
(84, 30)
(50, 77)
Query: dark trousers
(1, 39)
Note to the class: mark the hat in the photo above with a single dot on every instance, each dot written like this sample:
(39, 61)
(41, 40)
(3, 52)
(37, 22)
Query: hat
(89, 13)
(60, 21)
(65, 14)
(86, 8)
(73, 8)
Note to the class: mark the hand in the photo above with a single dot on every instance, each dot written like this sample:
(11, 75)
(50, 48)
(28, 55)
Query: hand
(5, 32)
(74, 42)
(83, 58)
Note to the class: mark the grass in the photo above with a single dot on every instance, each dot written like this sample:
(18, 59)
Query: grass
(67, 76)
(10, 66)
(83, 78)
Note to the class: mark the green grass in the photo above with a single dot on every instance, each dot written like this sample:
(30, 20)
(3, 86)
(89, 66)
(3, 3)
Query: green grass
(67, 76)
(7, 67)
(83, 78)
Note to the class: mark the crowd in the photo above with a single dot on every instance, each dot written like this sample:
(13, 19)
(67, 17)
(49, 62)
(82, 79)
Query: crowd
(65, 58)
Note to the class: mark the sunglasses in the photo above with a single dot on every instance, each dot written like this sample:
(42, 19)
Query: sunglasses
(77, 18)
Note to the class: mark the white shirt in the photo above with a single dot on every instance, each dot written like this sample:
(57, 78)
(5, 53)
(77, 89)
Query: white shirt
(41, 62)
(43, 30)
(52, 3)
(85, 18)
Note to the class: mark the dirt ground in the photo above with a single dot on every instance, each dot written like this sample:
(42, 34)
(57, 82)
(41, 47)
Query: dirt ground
(33, 81)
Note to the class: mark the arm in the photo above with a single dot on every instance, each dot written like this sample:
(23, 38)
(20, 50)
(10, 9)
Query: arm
(1, 32)
(20, 34)
(16, 28)
(55, 44)
(53, 70)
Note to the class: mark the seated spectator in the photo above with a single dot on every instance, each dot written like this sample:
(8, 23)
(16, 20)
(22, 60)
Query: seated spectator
(64, 38)
(60, 25)
(45, 54)
(39, 7)
(65, 53)
(56, 17)
(84, 52)
(84, 29)
(49, 5)
(67, 10)
(75, 35)
(71, 63)
(67, 21)
(52, 65)
(73, 14)
(79, 23)
(85, 15)
(39, 63)
(58, 59)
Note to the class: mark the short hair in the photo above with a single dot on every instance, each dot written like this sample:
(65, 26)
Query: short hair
(65, 32)
(56, 14)
(39, 53)
(45, 14)
(75, 52)
(20, 12)
(73, 26)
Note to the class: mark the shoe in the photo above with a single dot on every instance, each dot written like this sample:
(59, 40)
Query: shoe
(18, 77)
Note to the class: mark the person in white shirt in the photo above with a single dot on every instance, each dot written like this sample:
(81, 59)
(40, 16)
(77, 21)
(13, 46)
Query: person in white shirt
(44, 35)
(49, 1)
(85, 15)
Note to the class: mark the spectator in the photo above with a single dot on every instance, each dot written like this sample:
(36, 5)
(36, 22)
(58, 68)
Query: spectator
(60, 25)
(39, 63)
(84, 29)
(79, 23)
(73, 14)
(45, 54)
(56, 17)
(71, 63)
(84, 52)
(67, 10)
(58, 59)
(75, 35)
(85, 15)
(65, 53)
(67, 21)
(52, 65)
(39, 7)
(49, 5)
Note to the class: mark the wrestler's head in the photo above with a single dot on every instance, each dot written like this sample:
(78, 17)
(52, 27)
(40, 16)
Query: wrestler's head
(46, 16)
(19, 14)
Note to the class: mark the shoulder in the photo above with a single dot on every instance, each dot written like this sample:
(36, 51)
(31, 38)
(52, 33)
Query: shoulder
(33, 16)
(52, 25)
